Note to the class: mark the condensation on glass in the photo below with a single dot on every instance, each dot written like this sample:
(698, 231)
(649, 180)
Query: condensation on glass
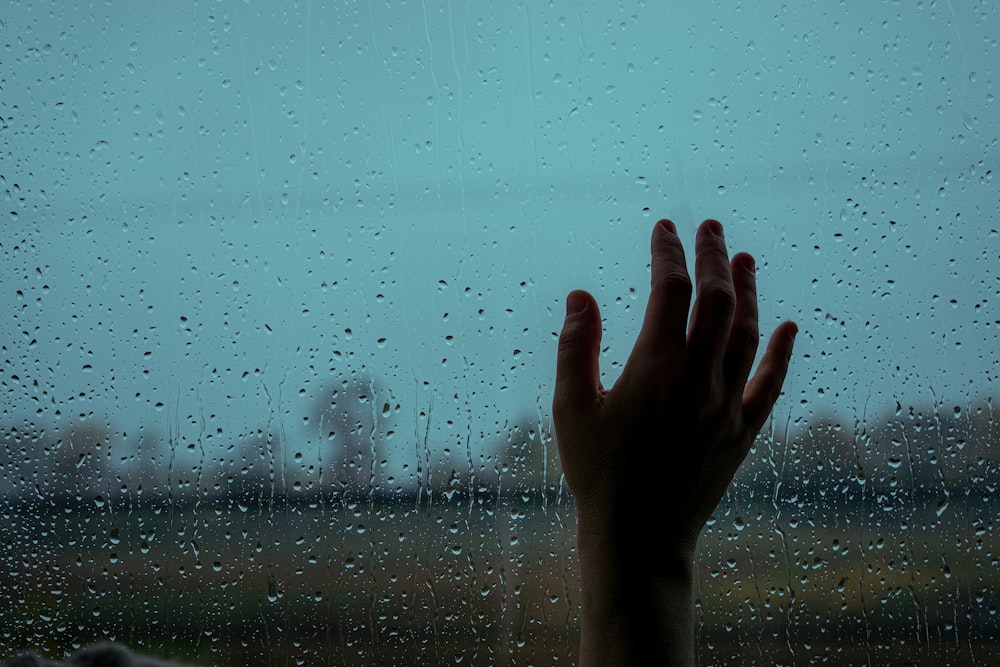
(281, 284)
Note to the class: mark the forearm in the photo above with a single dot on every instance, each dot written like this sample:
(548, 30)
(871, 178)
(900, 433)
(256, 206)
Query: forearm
(637, 604)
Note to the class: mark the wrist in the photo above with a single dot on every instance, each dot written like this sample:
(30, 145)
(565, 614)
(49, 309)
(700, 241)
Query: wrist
(637, 601)
(632, 537)
(643, 560)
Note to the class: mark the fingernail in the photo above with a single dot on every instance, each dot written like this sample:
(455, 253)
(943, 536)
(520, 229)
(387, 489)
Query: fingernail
(795, 331)
(668, 227)
(714, 227)
(576, 302)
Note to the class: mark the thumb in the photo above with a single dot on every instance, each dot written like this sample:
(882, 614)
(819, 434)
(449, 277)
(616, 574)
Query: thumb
(578, 375)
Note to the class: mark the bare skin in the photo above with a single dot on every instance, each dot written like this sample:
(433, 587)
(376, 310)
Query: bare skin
(648, 460)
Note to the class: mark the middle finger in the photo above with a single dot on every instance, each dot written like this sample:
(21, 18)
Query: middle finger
(715, 298)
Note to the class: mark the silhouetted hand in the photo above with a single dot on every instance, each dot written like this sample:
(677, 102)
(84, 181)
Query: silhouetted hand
(648, 460)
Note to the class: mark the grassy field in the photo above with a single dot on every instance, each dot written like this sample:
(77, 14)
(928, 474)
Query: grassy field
(478, 583)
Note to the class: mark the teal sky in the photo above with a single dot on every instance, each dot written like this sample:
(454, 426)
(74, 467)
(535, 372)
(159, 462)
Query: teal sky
(214, 209)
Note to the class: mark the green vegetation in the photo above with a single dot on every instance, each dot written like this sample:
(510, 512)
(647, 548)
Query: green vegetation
(839, 543)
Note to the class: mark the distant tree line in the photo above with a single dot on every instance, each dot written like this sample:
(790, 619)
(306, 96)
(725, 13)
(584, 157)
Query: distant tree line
(923, 452)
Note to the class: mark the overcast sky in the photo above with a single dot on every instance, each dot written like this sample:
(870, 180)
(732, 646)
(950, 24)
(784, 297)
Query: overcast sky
(215, 209)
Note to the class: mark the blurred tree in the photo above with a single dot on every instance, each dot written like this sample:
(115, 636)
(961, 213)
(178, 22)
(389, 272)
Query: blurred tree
(19, 448)
(354, 419)
(77, 464)
(527, 459)
(141, 466)
(926, 452)
(249, 468)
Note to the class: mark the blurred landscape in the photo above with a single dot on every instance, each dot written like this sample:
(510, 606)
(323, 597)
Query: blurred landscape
(841, 541)
(282, 283)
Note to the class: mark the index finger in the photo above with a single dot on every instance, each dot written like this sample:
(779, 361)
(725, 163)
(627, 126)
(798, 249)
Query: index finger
(663, 327)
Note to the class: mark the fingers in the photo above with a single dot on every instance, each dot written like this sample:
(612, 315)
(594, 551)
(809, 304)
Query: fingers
(578, 376)
(715, 301)
(763, 389)
(663, 327)
(744, 336)
(722, 338)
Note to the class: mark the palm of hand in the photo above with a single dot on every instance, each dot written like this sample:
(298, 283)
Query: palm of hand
(660, 448)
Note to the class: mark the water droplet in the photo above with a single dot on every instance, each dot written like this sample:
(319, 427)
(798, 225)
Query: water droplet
(273, 594)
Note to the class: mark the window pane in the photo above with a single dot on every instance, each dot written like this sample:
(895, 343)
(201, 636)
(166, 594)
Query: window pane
(283, 281)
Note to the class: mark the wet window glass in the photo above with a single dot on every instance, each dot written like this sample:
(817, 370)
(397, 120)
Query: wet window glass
(282, 282)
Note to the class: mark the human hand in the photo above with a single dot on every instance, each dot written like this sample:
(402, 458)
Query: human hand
(656, 452)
